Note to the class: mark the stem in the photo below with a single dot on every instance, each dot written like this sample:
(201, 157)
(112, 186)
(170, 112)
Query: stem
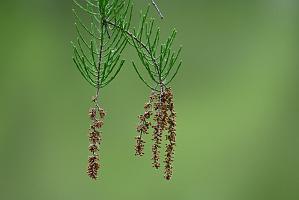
(99, 66)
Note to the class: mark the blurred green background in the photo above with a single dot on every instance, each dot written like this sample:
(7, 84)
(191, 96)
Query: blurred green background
(236, 97)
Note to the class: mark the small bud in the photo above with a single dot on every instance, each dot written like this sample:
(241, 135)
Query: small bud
(93, 167)
(139, 147)
(98, 124)
(93, 148)
(102, 113)
(147, 106)
(92, 113)
(147, 114)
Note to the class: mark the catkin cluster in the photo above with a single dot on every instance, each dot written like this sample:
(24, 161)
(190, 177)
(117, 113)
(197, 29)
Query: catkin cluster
(159, 115)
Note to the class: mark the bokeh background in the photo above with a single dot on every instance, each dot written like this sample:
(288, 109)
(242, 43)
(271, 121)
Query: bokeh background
(236, 97)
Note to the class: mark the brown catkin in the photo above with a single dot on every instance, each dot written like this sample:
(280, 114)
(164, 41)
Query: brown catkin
(160, 119)
(139, 147)
(93, 167)
(171, 137)
(157, 138)
(95, 136)
(143, 127)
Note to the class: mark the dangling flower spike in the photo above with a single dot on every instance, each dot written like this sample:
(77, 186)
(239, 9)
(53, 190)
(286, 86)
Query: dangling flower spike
(96, 115)
(171, 136)
(144, 125)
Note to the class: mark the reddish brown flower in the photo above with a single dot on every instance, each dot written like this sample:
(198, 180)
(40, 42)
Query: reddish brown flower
(93, 167)
(147, 106)
(171, 137)
(102, 113)
(92, 113)
(93, 148)
(98, 124)
(143, 126)
(139, 147)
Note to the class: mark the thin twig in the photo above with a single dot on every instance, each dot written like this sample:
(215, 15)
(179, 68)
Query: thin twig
(157, 8)
(99, 68)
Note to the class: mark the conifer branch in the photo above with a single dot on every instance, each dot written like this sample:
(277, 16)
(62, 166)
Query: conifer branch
(97, 56)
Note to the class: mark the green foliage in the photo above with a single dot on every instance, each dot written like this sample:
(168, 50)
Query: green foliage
(159, 60)
(98, 51)
(98, 48)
